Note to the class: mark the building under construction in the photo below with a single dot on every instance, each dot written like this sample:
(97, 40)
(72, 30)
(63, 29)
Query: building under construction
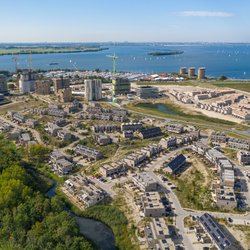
(120, 86)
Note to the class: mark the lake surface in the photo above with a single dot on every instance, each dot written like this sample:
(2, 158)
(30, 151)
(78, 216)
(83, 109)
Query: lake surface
(156, 106)
(96, 231)
(232, 60)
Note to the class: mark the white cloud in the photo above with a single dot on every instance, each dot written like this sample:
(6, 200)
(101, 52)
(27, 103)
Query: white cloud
(204, 14)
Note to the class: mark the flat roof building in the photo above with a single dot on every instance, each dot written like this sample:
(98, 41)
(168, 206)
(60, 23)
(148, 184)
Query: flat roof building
(145, 182)
(214, 232)
(152, 205)
(93, 89)
(147, 92)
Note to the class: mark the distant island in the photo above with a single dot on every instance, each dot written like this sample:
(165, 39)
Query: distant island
(166, 53)
(47, 50)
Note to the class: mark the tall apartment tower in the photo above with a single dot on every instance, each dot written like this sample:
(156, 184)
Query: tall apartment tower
(191, 72)
(3, 84)
(201, 73)
(93, 89)
(183, 71)
(26, 82)
(42, 87)
(60, 83)
(121, 86)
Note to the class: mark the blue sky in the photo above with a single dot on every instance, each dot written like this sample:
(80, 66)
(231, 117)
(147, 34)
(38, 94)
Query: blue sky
(124, 20)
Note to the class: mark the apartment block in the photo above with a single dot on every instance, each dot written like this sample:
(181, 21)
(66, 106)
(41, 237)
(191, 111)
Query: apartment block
(102, 128)
(42, 87)
(243, 158)
(175, 128)
(146, 133)
(145, 182)
(168, 142)
(114, 169)
(152, 205)
(214, 231)
(84, 190)
(239, 144)
(220, 137)
(89, 153)
(131, 126)
(102, 139)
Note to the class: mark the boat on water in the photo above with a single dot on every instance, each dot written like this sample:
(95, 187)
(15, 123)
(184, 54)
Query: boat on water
(53, 63)
(166, 53)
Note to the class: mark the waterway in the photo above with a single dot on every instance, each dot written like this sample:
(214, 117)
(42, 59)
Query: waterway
(96, 231)
(227, 59)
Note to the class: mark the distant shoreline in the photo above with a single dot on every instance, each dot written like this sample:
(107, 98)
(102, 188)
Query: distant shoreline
(22, 51)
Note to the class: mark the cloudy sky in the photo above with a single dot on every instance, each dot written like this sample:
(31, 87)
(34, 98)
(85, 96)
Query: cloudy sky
(124, 20)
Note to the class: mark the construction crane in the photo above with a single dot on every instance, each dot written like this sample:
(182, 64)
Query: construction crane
(31, 60)
(15, 60)
(114, 58)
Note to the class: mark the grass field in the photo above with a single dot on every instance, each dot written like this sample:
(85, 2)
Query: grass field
(168, 109)
(238, 85)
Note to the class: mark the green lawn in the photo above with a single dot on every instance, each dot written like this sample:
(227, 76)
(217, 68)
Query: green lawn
(171, 110)
(239, 85)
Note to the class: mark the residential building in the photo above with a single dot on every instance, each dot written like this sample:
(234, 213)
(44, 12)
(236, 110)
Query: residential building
(64, 135)
(152, 205)
(218, 137)
(213, 155)
(108, 128)
(145, 182)
(191, 72)
(18, 117)
(113, 169)
(93, 89)
(131, 126)
(201, 73)
(128, 134)
(214, 231)
(26, 82)
(24, 139)
(147, 92)
(65, 95)
(56, 112)
(56, 155)
(31, 123)
(42, 87)
(60, 83)
(90, 153)
(174, 165)
(200, 148)
(146, 133)
(62, 166)
(152, 150)
(53, 128)
(135, 159)
(102, 139)
(84, 190)
(175, 128)
(3, 84)
(225, 198)
(243, 158)
(158, 235)
(168, 142)
(120, 86)
(239, 144)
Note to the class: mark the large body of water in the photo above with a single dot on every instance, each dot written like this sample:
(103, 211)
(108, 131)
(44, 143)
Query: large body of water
(232, 60)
